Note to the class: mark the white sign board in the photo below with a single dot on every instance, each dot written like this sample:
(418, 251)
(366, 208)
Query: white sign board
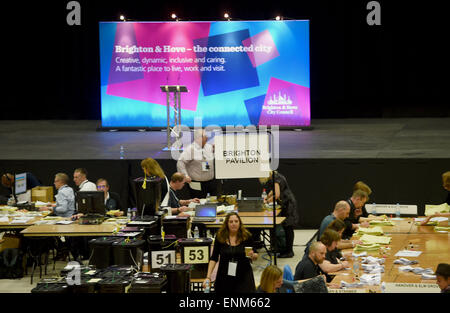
(242, 155)
(196, 255)
(160, 258)
(412, 288)
(391, 209)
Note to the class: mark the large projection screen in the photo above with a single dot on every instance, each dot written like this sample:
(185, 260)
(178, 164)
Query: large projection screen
(237, 72)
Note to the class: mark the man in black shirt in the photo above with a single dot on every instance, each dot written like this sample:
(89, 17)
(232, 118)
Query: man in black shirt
(356, 202)
(309, 267)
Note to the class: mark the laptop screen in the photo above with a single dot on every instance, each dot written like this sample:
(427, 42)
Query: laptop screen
(205, 210)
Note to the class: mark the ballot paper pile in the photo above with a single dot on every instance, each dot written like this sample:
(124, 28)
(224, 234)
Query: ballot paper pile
(427, 273)
(405, 261)
(367, 247)
(372, 265)
(364, 280)
(375, 231)
(382, 223)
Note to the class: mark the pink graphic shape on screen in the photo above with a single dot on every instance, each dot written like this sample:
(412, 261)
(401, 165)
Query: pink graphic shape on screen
(286, 104)
(261, 43)
(147, 87)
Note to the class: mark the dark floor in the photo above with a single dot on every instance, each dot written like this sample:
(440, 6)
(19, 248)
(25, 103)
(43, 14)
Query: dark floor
(330, 138)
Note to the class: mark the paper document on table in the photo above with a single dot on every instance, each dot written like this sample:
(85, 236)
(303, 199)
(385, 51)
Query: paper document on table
(433, 209)
(384, 240)
(195, 185)
(442, 229)
(64, 222)
(409, 253)
(367, 247)
(382, 223)
(377, 230)
(4, 219)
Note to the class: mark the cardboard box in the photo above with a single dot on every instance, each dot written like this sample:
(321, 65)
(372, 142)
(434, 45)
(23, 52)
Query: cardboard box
(42, 193)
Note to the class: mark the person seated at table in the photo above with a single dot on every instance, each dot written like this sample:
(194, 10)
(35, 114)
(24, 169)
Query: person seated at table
(65, 198)
(285, 197)
(356, 202)
(341, 211)
(32, 181)
(235, 274)
(112, 199)
(80, 179)
(443, 277)
(271, 280)
(339, 226)
(309, 267)
(332, 262)
(176, 205)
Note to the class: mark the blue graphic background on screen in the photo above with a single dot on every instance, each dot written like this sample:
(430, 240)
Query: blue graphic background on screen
(254, 106)
(226, 108)
(239, 73)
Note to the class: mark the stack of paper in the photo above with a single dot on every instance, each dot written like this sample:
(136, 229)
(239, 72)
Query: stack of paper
(367, 247)
(370, 279)
(358, 255)
(382, 223)
(433, 209)
(369, 239)
(405, 261)
(408, 253)
(4, 219)
(372, 260)
(373, 268)
(345, 285)
(442, 228)
(376, 231)
(427, 273)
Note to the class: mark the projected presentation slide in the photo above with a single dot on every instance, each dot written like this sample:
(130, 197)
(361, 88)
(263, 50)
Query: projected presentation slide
(236, 72)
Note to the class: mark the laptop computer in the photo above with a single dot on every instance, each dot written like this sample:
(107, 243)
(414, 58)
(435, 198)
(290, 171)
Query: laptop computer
(205, 213)
(250, 204)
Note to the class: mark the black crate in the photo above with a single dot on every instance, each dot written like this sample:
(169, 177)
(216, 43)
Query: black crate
(51, 285)
(176, 226)
(115, 271)
(148, 283)
(114, 285)
(128, 252)
(198, 270)
(85, 286)
(178, 277)
(101, 251)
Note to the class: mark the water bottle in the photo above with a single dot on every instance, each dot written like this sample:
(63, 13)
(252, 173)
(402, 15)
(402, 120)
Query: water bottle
(264, 194)
(207, 288)
(196, 232)
(133, 213)
(356, 267)
(129, 214)
(208, 197)
(122, 153)
(383, 287)
(397, 210)
(374, 209)
(11, 201)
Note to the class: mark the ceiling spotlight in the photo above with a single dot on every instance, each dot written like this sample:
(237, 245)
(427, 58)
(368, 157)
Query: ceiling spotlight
(174, 16)
(227, 16)
(122, 18)
(278, 18)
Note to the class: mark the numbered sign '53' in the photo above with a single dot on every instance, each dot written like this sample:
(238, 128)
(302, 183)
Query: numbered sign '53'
(196, 255)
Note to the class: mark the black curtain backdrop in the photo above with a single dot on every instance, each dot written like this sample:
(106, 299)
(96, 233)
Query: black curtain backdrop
(392, 70)
(316, 183)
